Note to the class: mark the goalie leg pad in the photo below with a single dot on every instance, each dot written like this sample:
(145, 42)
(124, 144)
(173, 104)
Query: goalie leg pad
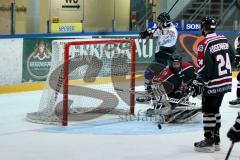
(182, 116)
(190, 116)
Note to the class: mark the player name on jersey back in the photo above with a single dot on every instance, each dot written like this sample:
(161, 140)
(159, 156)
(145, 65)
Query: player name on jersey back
(218, 47)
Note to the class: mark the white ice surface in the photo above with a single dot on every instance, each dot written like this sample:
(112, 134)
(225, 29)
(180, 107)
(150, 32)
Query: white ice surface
(103, 139)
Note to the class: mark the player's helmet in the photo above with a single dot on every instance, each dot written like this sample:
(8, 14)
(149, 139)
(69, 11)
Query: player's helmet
(164, 18)
(175, 62)
(208, 24)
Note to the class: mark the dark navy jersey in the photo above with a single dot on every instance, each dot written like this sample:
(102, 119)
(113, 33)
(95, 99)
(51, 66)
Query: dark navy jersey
(215, 57)
(178, 80)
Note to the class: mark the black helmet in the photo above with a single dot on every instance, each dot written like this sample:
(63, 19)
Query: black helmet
(208, 23)
(175, 58)
(164, 18)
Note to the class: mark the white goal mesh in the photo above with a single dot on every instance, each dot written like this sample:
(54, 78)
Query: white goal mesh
(82, 80)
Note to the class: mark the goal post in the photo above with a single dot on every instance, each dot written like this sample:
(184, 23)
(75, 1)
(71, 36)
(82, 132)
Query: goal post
(84, 73)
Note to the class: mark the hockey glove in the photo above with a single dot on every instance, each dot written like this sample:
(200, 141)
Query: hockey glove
(197, 88)
(151, 28)
(237, 61)
(234, 133)
(144, 34)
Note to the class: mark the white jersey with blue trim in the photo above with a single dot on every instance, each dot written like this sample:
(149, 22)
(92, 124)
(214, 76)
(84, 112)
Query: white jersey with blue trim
(166, 37)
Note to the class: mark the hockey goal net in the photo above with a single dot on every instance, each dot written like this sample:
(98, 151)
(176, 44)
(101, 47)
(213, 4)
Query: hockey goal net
(82, 80)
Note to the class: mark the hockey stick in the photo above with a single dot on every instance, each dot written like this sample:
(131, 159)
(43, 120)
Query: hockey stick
(174, 100)
(173, 6)
(183, 99)
(229, 151)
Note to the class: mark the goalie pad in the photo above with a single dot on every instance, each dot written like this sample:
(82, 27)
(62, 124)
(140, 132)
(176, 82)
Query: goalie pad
(176, 105)
(160, 98)
(160, 95)
(178, 110)
(182, 116)
(178, 115)
(171, 109)
(156, 91)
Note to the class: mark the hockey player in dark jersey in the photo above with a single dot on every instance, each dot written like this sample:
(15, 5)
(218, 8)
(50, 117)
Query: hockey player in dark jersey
(214, 79)
(237, 64)
(179, 74)
(234, 131)
(166, 34)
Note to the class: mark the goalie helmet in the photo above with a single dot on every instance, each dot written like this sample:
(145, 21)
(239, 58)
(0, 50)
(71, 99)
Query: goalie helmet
(175, 63)
(208, 24)
(164, 19)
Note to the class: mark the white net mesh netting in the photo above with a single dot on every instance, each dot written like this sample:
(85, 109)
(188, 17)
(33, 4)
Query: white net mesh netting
(94, 71)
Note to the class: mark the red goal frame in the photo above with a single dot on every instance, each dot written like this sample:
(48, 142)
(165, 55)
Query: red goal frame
(88, 42)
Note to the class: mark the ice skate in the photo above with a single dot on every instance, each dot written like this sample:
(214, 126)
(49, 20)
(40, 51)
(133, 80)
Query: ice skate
(235, 101)
(207, 145)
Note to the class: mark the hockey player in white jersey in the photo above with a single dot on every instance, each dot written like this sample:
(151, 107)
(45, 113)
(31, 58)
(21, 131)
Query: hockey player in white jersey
(166, 34)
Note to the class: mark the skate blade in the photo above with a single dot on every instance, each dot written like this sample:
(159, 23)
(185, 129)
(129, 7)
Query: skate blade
(205, 149)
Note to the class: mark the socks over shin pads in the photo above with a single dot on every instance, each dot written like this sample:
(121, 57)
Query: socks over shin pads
(209, 124)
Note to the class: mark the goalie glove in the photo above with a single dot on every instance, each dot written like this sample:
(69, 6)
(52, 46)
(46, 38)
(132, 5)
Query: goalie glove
(197, 87)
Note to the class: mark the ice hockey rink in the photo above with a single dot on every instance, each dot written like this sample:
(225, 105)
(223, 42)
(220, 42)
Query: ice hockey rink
(103, 138)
